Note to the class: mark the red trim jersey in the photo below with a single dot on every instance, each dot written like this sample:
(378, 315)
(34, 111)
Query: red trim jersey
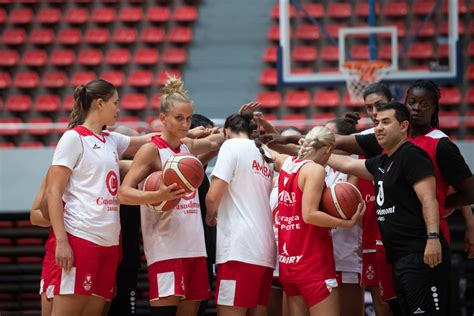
(177, 233)
(91, 208)
(306, 252)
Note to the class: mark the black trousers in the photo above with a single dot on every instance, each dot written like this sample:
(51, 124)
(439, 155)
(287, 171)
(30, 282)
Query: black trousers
(124, 302)
(422, 290)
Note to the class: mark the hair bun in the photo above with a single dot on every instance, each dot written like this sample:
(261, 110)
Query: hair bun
(174, 85)
(247, 115)
(352, 117)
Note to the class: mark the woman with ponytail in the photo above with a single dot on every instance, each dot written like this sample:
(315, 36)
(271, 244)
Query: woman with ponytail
(81, 192)
(174, 241)
(238, 202)
(307, 270)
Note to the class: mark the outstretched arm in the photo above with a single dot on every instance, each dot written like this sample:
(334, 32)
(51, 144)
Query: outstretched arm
(349, 165)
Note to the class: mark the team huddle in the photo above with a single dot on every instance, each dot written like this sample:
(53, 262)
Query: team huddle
(277, 252)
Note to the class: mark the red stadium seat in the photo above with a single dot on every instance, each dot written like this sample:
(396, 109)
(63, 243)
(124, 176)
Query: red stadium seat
(308, 32)
(307, 54)
(326, 98)
(297, 99)
(90, 57)
(48, 16)
(301, 70)
(41, 36)
(340, 10)
(63, 121)
(13, 37)
(187, 14)
(117, 78)
(362, 9)
(469, 98)
(401, 29)
(269, 77)
(269, 99)
(3, 146)
(292, 120)
(135, 101)
(164, 75)
(360, 52)
(3, 16)
(125, 35)
(423, 7)
(82, 77)
(469, 119)
(443, 51)
(131, 14)
(20, 16)
(47, 103)
(35, 58)
(450, 96)
(155, 101)
(349, 103)
(330, 53)
(470, 72)
(175, 56)
(55, 79)
(462, 7)
(10, 130)
(180, 35)
(103, 15)
(449, 120)
(18, 103)
(444, 28)
(428, 30)
(419, 50)
(385, 52)
(40, 129)
(273, 33)
(333, 29)
(97, 36)
(396, 9)
(276, 12)
(152, 35)
(5, 80)
(158, 14)
(140, 78)
(117, 56)
(146, 56)
(29, 241)
(62, 57)
(316, 10)
(68, 103)
(26, 80)
(270, 54)
(8, 58)
(70, 36)
(76, 16)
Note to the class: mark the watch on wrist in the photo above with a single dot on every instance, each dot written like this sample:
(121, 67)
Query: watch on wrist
(432, 235)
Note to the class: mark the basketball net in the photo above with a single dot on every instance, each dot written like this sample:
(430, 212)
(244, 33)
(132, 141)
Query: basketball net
(359, 74)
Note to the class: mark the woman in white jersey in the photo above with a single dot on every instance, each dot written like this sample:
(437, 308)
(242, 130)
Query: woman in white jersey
(173, 241)
(239, 194)
(81, 192)
(347, 241)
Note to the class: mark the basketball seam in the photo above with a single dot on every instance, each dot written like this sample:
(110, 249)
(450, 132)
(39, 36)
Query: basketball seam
(336, 202)
(175, 160)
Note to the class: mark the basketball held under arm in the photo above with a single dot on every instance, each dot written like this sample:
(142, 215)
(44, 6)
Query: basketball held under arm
(349, 165)
(311, 182)
(146, 161)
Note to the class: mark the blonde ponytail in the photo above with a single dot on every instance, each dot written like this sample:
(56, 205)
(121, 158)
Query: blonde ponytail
(317, 137)
(173, 91)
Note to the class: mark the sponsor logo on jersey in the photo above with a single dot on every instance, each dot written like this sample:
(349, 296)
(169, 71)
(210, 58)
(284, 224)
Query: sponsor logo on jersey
(380, 193)
(286, 258)
(369, 198)
(262, 169)
(419, 311)
(290, 222)
(370, 272)
(111, 182)
(96, 146)
(287, 198)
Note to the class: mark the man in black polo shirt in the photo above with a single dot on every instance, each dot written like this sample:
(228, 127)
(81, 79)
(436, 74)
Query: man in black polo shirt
(407, 213)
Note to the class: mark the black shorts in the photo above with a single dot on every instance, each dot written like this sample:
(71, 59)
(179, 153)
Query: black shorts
(422, 290)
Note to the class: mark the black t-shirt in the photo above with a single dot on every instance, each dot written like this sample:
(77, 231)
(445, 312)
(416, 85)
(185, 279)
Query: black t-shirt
(450, 162)
(399, 211)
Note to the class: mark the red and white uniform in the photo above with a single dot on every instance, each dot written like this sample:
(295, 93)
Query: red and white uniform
(171, 235)
(49, 275)
(306, 254)
(346, 241)
(244, 225)
(91, 209)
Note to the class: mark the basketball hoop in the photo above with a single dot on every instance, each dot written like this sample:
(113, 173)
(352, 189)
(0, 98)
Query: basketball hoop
(359, 74)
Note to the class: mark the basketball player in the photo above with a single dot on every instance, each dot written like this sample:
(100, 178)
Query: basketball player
(346, 241)
(238, 197)
(81, 193)
(407, 212)
(173, 241)
(307, 270)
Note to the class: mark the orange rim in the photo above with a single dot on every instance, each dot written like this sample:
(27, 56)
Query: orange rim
(366, 68)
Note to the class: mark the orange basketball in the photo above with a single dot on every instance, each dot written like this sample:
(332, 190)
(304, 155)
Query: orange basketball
(185, 170)
(341, 200)
(152, 183)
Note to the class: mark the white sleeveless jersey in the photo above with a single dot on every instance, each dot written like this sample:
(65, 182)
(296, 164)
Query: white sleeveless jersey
(177, 233)
(347, 242)
(91, 209)
(276, 222)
